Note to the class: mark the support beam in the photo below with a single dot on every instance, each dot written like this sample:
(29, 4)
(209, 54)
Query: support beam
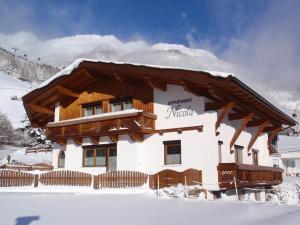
(218, 92)
(223, 114)
(196, 90)
(255, 123)
(215, 105)
(137, 137)
(113, 137)
(78, 141)
(40, 109)
(272, 129)
(274, 132)
(237, 133)
(237, 116)
(161, 85)
(67, 92)
(256, 135)
(95, 140)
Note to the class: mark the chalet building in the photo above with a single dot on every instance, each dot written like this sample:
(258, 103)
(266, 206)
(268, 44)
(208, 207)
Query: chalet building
(106, 116)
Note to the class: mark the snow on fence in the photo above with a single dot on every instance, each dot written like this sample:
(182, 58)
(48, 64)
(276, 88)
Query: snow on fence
(167, 178)
(25, 167)
(120, 179)
(11, 178)
(66, 178)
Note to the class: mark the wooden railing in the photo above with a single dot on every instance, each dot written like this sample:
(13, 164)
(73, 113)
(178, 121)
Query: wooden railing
(167, 178)
(247, 175)
(138, 123)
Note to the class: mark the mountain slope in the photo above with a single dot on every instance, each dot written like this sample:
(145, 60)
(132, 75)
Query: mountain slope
(11, 91)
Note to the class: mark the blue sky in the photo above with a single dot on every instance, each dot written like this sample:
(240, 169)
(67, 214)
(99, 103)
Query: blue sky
(259, 37)
(213, 22)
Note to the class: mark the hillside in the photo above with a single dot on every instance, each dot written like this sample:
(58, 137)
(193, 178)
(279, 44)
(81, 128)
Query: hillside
(11, 91)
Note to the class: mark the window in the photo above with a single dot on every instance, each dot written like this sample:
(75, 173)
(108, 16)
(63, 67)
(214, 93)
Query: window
(172, 152)
(121, 104)
(220, 143)
(255, 157)
(276, 163)
(238, 154)
(61, 159)
(100, 156)
(92, 109)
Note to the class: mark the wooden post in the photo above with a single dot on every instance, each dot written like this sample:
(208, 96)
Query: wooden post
(36, 180)
(236, 191)
(185, 187)
(157, 185)
(96, 182)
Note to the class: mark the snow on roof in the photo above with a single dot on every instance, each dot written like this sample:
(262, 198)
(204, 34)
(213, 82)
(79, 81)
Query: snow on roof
(68, 70)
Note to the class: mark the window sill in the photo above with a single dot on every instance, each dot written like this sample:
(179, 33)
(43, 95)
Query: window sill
(172, 165)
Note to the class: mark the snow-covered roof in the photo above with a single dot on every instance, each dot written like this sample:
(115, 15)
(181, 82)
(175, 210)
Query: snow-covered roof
(68, 70)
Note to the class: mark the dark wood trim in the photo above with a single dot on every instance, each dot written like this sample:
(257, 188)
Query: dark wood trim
(61, 142)
(243, 125)
(137, 137)
(67, 92)
(210, 106)
(257, 133)
(153, 83)
(40, 109)
(223, 114)
(113, 137)
(179, 129)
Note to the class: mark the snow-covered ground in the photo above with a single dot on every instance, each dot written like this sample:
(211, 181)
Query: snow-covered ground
(12, 87)
(131, 209)
(18, 155)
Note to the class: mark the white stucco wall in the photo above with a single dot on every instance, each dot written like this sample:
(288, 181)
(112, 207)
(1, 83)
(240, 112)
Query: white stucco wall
(176, 108)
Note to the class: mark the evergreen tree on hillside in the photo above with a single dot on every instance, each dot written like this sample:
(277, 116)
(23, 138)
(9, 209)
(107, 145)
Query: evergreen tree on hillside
(6, 130)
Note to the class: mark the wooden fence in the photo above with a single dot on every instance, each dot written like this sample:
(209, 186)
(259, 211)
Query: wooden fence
(10, 178)
(120, 179)
(167, 178)
(116, 179)
(66, 177)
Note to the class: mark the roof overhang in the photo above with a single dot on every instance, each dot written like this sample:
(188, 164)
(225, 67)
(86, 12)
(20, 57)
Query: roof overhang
(65, 86)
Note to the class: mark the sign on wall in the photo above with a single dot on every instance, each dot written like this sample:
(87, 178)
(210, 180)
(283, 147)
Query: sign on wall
(180, 108)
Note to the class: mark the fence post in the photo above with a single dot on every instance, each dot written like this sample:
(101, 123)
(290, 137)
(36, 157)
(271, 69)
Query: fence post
(36, 180)
(96, 182)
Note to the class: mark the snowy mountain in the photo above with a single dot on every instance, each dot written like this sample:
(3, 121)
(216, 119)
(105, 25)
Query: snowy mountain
(21, 67)
(60, 52)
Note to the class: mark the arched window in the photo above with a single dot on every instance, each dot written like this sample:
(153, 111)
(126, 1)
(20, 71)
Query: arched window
(61, 159)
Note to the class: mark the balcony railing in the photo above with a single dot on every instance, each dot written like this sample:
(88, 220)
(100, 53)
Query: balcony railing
(247, 175)
(102, 125)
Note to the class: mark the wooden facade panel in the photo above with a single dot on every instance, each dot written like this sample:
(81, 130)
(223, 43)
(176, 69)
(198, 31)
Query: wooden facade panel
(105, 90)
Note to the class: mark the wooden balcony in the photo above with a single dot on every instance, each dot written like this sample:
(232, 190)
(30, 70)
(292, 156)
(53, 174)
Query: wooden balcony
(247, 175)
(135, 124)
